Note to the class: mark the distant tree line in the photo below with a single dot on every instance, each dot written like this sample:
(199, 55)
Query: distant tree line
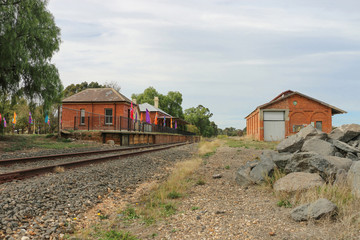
(231, 131)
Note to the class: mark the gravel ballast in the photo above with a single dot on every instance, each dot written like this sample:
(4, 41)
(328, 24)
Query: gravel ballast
(47, 206)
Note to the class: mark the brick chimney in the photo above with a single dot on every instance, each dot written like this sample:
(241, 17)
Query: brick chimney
(156, 102)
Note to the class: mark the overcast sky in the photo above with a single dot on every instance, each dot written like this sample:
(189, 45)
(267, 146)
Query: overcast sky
(229, 56)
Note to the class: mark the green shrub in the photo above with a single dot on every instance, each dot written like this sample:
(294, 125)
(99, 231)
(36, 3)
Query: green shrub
(173, 195)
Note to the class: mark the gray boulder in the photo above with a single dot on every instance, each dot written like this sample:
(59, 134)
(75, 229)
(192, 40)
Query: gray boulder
(316, 210)
(308, 131)
(294, 142)
(291, 144)
(341, 176)
(339, 154)
(353, 178)
(339, 163)
(319, 146)
(321, 136)
(263, 169)
(243, 174)
(298, 181)
(354, 143)
(311, 163)
(345, 147)
(325, 166)
(345, 132)
(280, 159)
(352, 156)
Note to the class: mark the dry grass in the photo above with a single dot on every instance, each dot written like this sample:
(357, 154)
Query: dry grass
(206, 147)
(340, 194)
(270, 180)
(161, 202)
(59, 169)
(247, 142)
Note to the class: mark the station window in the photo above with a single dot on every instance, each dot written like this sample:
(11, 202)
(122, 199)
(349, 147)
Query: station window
(108, 115)
(82, 116)
(319, 125)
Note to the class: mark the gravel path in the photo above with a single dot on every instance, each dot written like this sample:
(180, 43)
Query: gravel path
(46, 207)
(221, 209)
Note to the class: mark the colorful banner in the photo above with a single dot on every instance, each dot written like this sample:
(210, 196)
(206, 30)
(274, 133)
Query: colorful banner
(156, 119)
(164, 121)
(30, 118)
(47, 120)
(0, 117)
(171, 122)
(148, 120)
(14, 119)
(4, 122)
(136, 117)
(175, 124)
(131, 111)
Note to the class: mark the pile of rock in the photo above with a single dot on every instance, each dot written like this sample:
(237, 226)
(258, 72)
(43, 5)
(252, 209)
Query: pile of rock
(309, 158)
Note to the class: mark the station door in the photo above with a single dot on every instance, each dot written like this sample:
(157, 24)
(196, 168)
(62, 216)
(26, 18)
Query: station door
(274, 126)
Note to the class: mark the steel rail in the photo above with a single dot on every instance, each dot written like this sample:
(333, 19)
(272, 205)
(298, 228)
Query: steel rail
(17, 175)
(10, 161)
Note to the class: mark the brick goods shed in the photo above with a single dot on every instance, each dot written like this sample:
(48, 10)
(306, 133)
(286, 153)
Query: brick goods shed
(95, 109)
(287, 114)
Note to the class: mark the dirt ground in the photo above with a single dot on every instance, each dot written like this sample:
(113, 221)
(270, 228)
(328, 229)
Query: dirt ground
(221, 209)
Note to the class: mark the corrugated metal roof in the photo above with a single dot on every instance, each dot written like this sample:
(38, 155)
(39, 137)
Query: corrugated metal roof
(97, 95)
(151, 108)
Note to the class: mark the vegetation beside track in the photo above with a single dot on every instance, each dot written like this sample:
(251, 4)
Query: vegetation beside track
(12, 143)
(238, 142)
(161, 202)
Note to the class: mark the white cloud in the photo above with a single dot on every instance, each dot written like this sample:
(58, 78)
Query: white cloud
(230, 56)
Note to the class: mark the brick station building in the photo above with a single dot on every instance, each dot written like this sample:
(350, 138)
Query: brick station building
(287, 114)
(96, 108)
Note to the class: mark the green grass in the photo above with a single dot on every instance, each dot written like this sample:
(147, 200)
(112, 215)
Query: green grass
(200, 182)
(284, 203)
(174, 195)
(24, 142)
(130, 213)
(247, 143)
(115, 235)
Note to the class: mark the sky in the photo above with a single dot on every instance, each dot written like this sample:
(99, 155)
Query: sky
(229, 56)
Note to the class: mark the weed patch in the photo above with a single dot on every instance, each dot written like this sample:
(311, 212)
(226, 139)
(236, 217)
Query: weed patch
(130, 214)
(247, 143)
(284, 203)
(115, 235)
(174, 195)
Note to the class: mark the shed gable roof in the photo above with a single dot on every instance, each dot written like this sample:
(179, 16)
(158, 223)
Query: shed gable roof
(151, 108)
(286, 94)
(97, 95)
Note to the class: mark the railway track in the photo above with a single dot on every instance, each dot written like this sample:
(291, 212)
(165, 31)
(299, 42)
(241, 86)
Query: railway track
(105, 155)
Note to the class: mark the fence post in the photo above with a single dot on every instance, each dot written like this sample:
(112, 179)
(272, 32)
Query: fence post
(59, 122)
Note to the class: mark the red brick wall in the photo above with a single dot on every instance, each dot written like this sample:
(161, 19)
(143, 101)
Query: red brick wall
(119, 109)
(253, 125)
(304, 112)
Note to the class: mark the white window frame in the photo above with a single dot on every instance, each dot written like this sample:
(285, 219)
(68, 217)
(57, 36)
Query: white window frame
(108, 117)
(82, 116)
